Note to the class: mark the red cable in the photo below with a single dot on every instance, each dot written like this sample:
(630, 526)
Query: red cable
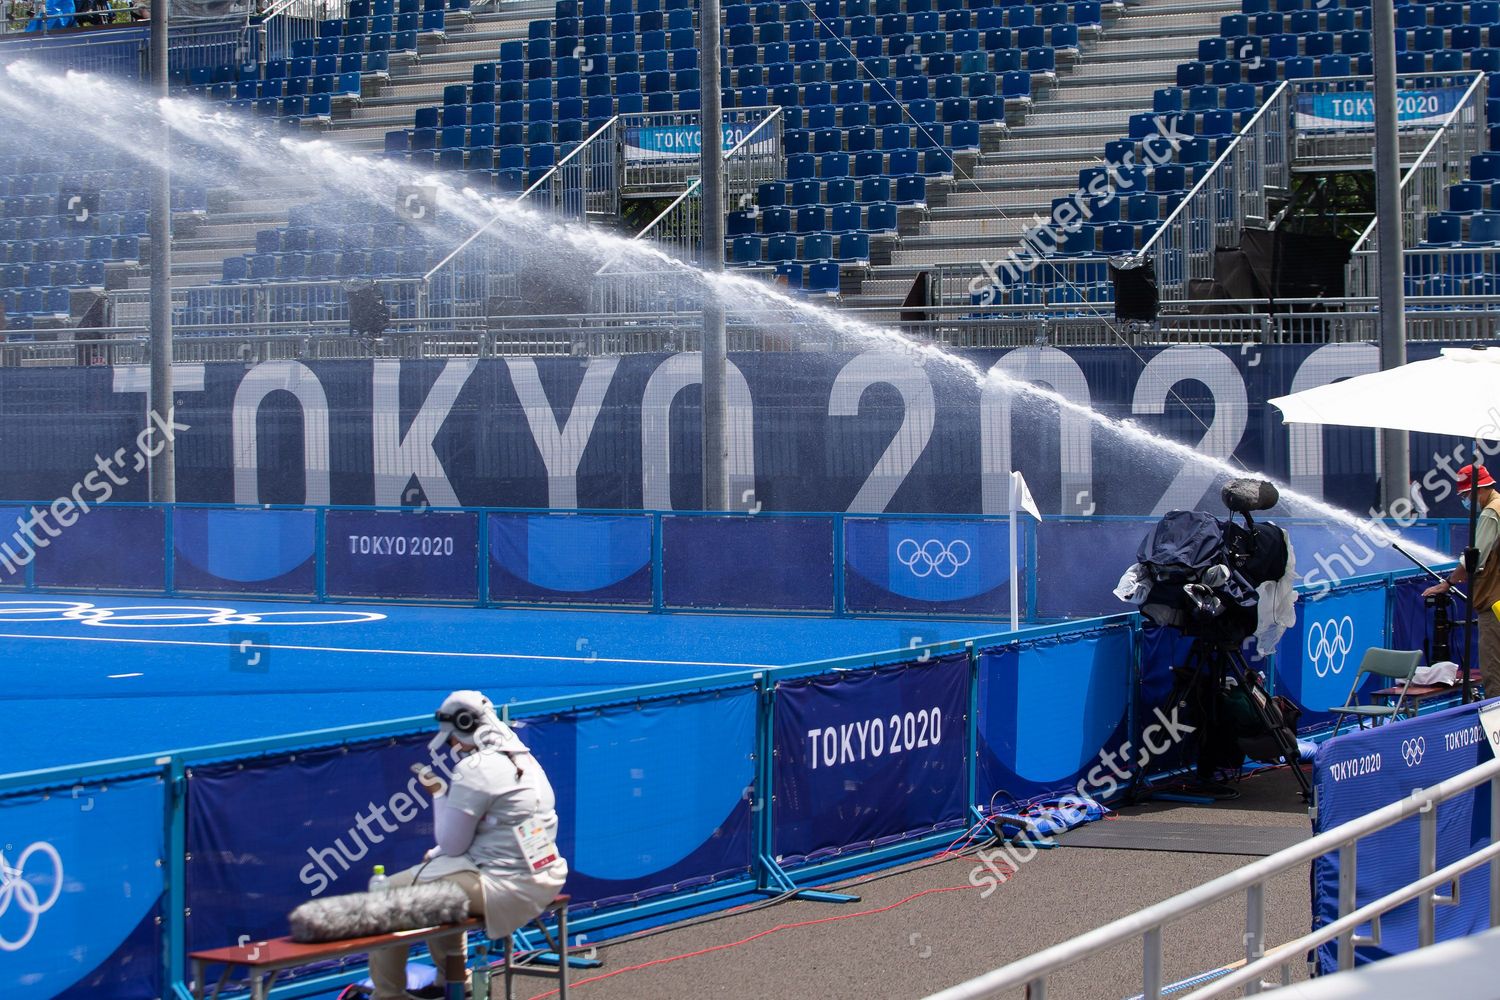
(758, 936)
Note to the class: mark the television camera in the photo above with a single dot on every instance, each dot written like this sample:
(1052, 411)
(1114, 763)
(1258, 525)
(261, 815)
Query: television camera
(1201, 576)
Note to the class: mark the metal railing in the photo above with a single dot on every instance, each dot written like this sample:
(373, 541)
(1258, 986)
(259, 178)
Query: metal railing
(1147, 926)
(475, 278)
(586, 181)
(119, 52)
(1443, 161)
(755, 159)
(290, 21)
(213, 337)
(209, 309)
(1351, 145)
(1235, 190)
(29, 17)
(660, 154)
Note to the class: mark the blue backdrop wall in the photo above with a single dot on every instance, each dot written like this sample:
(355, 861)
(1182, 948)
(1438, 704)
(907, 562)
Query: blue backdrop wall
(810, 432)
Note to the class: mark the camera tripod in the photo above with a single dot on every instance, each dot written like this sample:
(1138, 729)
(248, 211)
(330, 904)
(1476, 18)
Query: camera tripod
(1208, 664)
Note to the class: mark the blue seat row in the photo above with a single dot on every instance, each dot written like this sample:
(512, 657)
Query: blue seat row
(865, 138)
(404, 39)
(880, 217)
(1029, 294)
(1206, 97)
(122, 247)
(1467, 197)
(35, 302)
(1470, 229)
(821, 278)
(1230, 71)
(908, 190)
(81, 274)
(291, 266)
(932, 162)
(786, 248)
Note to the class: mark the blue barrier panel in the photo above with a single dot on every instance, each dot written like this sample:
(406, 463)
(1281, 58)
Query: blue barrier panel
(15, 556)
(1412, 621)
(748, 562)
(108, 548)
(1047, 708)
(81, 884)
(399, 554)
(1318, 657)
(1362, 771)
(958, 567)
(577, 558)
(651, 797)
(868, 757)
(1080, 562)
(337, 813)
(1335, 552)
(245, 551)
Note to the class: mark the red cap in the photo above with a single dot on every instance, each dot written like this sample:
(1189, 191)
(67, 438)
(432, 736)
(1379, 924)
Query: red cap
(1486, 481)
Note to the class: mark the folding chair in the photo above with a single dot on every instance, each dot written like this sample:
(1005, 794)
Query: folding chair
(1397, 665)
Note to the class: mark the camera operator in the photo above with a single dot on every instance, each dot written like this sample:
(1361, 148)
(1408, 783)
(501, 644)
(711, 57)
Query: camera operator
(1485, 588)
(496, 829)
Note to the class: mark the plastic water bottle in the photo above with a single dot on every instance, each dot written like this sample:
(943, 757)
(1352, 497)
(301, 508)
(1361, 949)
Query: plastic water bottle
(378, 881)
(480, 981)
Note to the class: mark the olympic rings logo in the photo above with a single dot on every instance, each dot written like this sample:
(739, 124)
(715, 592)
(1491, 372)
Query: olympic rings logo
(933, 556)
(170, 615)
(1412, 751)
(1329, 645)
(16, 889)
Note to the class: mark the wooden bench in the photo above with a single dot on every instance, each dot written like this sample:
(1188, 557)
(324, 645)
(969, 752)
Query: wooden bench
(264, 960)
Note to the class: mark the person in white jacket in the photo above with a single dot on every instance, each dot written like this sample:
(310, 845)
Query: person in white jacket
(495, 825)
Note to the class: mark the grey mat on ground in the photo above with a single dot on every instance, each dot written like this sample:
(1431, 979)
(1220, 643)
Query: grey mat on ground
(1191, 838)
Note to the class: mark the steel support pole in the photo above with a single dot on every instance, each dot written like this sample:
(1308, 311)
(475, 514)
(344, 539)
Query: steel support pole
(1395, 465)
(715, 361)
(163, 464)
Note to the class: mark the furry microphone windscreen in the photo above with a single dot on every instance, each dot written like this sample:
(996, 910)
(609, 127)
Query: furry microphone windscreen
(362, 914)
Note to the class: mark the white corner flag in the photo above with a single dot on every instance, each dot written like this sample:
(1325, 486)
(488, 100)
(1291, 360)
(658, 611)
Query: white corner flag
(1020, 500)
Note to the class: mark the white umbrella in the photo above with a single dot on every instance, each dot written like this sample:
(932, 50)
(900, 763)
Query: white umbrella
(1457, 393)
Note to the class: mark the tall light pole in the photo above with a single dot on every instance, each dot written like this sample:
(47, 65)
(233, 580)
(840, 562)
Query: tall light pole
(711, 169)
(1395, 465)
(163, 464)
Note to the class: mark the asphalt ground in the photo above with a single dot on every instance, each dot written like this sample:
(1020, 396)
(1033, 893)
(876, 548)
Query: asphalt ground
(930, 925)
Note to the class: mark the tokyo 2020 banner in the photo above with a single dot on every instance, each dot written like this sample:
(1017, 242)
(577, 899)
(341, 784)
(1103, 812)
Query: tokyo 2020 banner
(866, 432)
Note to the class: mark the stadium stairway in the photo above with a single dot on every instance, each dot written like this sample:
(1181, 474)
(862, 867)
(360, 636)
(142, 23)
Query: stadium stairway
(203, 240)
(980, 215)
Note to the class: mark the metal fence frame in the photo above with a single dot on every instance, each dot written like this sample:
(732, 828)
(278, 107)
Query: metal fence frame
(1145, 927)
(652, 330)
(1443, 161)
(1235, 190)
(1338, 148)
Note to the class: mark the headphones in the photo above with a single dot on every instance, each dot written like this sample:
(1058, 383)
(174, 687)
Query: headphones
(465, 720)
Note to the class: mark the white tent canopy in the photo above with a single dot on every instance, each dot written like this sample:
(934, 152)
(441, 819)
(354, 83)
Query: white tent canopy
(1457, 393)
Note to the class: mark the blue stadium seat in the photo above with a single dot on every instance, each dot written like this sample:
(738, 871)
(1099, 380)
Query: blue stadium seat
(854, 248)
(1484, 229)
(816, 247)
(1444, 229)
(881, 217)
(823, 278)
(776, 220)
(746, 250)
